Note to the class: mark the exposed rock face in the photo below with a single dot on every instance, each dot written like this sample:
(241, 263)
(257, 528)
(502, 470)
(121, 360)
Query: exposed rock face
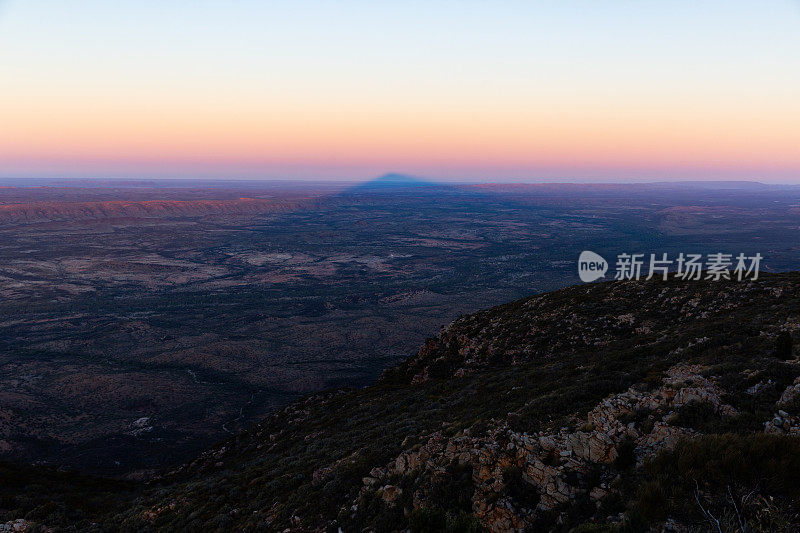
(701, 389)
(783, 421)
(18, 526)
(791, 392)
(557, 466)
(390, 493)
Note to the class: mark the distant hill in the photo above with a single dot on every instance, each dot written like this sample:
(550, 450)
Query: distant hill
(619, 406)
(104, 210)
(628, 188)
(394, 181)
(723, 185)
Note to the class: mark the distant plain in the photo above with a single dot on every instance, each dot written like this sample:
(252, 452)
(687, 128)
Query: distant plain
(141, 321)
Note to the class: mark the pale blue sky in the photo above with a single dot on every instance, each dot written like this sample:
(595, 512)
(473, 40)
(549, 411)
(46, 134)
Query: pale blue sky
(334, 89)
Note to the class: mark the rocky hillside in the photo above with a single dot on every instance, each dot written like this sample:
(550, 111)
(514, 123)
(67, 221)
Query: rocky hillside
(621, 406)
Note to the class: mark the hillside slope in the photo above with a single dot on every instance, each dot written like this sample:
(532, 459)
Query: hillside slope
(612, 406)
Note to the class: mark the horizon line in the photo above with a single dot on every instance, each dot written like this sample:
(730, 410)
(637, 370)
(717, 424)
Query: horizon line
(410, 177)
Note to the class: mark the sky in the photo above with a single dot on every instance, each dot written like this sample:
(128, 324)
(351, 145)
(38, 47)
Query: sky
(469, 90)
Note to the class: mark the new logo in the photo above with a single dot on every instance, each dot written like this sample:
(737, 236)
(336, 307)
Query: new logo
(591, 266)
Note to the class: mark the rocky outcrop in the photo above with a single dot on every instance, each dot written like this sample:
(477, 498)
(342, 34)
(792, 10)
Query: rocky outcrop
(791, 393)
(783, 421)
(558, 467)
(19, 526)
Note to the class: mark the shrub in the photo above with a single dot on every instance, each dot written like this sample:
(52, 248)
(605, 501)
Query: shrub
(520, 491)
(652, 501)
(715, 467)
(453, 490)
(626, 454)
(772, 460)
(783, 346)
(696, 415)
(438, 521)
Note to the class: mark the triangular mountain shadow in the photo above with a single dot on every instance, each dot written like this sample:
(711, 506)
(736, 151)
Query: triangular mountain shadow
(394, 180)
(401, 183)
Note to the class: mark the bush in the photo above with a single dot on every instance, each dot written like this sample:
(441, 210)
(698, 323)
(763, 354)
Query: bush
(773, 461)
(520, 491)
(714, 467)
(652, 501)
(696, 415)
(454, 490)
(783, 346)
(438, 521)
(626, 454)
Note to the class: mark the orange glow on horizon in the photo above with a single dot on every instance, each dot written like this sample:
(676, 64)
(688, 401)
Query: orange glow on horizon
(261, 87)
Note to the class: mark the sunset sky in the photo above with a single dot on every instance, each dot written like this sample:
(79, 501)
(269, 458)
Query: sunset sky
(498, 90)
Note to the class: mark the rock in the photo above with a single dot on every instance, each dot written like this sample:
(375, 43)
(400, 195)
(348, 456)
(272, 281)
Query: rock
(758, 387)
(391, 493)
(597, 494)
(790, 393)
(18, 526)
(663, 436)
(320, 475)
(502, 519)
(783, 422)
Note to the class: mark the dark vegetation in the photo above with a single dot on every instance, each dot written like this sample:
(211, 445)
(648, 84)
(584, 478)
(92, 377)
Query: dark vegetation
(47, 496)
(723, 477)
